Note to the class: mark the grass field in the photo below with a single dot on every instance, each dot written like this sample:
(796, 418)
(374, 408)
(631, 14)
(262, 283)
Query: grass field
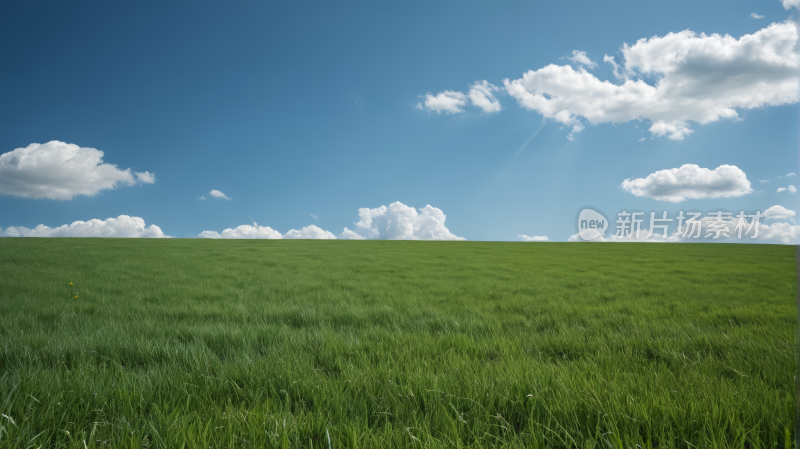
(198, 343)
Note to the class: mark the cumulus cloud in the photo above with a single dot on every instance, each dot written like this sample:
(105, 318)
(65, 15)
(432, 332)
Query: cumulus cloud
(122, 226)
(697, 78)
(690, 182)
(146, 177)
(401, 222)
(789, 175)
(60, 171)
(790, 188)
(791, 4)
(217, 194)
(348, 234)
(310, 232)
(579, 57)
(243, 232)
(642, 139)
(448, 101)
(202, 197)
(778, 212)
(535, 238)
(781, 189)
(756, 16)
(395, 222)
(480, 94)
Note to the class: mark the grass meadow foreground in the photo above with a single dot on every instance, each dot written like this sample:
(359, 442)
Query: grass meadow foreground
(197, 343)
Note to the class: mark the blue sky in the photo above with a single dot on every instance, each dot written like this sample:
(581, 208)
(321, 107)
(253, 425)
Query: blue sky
(320, 109)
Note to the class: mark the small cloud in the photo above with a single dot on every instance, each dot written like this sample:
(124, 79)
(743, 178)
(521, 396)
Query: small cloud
(778, 213)
(781, 189)
(790, 188)
(535, 238)
(313, 216)
(448, 101)
(579, 57)
(760, 192)
(419, 106)
(347, 234)
(762, 181)
(789, 175)
(779, 176)
(756, 16)
(146, 177)
(480, 94)
(642, 139)
(217, 194)
(202, 198)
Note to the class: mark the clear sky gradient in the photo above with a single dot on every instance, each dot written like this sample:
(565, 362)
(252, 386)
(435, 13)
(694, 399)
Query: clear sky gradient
(302, 113)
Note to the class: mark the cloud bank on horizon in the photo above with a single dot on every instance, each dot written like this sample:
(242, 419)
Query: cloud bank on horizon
(122, 226)
(59, 171)
(395, 222)
(696, 78)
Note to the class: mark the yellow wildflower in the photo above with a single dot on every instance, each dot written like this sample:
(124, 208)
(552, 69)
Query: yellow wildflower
(70, 283)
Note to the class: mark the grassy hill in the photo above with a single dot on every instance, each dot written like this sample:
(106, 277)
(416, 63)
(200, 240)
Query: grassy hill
(295, 343)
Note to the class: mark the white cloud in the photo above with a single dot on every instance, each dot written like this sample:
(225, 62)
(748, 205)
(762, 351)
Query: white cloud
(762, 181)
(313, 216)
(202, 197)
(579, 57)
(756, 16)
(348, 234)
(480, 94)
(122, 226)
(781, 189)
(789, 175)
(535, 238)
(309, 232)
(401, 222)
(217, 194)
(790, 188)
(782, 232)
(791, 4)
(778, 212)
(146, 177)
(778, 232)
(60, 171)
(397, 222)
(452, 102)
(690, 182)
(617, 70)
(698, 78)
(243, 232)
(448, 101)
(419, 106)
(642, 139)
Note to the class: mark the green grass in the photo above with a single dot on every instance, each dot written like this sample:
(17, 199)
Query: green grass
(197, 343)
